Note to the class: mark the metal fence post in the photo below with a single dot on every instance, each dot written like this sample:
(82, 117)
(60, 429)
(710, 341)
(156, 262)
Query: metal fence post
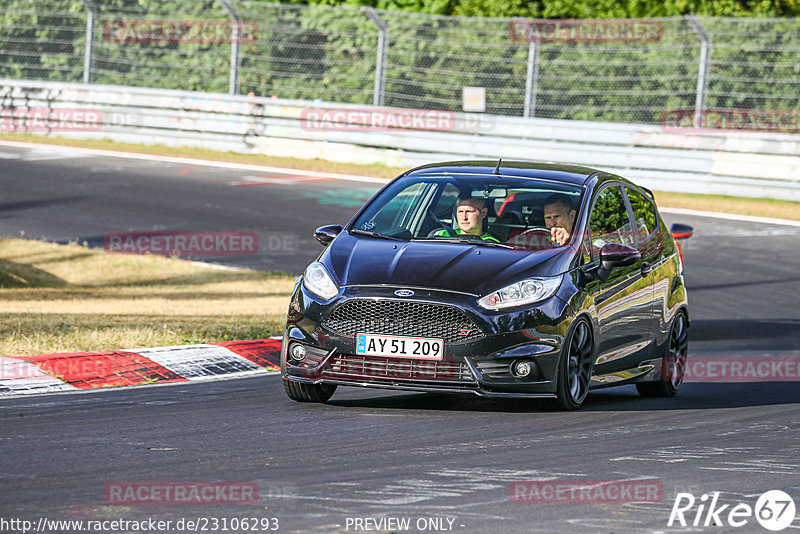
(88, 56)
(236, 37)
(703, 72)
(531, 80)
(380, 55)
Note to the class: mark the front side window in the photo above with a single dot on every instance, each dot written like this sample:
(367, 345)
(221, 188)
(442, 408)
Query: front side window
(395, 213)
(515, 213)
(609, 221)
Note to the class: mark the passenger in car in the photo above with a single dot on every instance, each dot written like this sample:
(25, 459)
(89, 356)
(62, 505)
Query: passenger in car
(471, 215)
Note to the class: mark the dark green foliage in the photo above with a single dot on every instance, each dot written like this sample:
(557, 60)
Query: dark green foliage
(328, 53)
(609, 215)
(42, 41)
(586, 9)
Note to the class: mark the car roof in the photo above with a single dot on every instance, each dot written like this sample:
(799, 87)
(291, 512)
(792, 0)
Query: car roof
(572, 174)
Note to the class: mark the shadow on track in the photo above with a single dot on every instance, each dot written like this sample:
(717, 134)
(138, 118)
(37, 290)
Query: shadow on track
(39, 203)
(693, 396)
(750, 329)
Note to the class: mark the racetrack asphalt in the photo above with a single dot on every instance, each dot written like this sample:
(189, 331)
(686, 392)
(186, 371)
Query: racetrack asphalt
(376, 454)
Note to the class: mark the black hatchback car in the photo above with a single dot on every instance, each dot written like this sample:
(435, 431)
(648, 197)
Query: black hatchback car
(502, 280)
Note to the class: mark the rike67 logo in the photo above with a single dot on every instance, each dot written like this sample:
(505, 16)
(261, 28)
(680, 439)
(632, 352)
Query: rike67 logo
(774, 510)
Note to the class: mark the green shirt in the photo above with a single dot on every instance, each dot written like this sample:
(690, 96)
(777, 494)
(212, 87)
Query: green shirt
(446, 232)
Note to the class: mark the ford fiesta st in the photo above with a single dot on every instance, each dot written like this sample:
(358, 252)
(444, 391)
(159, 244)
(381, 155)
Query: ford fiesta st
(501, 280)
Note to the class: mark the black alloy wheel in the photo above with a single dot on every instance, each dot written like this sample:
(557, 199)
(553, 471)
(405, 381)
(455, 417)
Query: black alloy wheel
(575, 368)
(673, 364)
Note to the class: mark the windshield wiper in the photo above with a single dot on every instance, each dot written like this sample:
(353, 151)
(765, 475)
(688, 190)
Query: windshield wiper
(378, 235)
(492, 244)
(464, 241)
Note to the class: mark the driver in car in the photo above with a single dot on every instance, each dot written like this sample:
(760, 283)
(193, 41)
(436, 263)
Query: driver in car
(559, 217)
(470, 214)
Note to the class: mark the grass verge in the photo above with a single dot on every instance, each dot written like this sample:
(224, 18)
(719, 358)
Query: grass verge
(757, 207)
(717, 203)
(69, 298)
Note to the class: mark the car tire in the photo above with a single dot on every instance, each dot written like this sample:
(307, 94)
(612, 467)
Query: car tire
(673, 363)
(575, 367)
(302, 392)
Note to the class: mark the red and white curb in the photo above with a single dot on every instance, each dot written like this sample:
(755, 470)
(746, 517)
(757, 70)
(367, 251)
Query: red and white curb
(47, 373)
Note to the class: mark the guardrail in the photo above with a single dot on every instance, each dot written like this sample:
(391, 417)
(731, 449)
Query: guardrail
(740, 163)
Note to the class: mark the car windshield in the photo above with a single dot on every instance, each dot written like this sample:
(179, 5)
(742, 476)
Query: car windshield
(489, 210)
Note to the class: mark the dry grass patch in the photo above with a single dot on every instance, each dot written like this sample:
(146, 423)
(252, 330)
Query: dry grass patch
(757, 207)
(64, 298)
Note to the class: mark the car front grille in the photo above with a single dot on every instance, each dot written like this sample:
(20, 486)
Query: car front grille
(402, 318)
(347, 366)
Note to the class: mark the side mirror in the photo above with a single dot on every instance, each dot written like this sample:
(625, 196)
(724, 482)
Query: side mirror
(326, 234)
(616, 255)
(611, 255)
(681, 231)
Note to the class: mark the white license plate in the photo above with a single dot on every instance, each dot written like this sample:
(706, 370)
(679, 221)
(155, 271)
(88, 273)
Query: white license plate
(420, 348)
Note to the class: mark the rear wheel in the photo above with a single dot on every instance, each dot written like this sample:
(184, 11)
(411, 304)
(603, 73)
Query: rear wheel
(302, 392)
(673, 364)
(575, 368)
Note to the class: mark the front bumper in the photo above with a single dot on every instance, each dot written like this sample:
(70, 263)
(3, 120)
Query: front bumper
(481, 366)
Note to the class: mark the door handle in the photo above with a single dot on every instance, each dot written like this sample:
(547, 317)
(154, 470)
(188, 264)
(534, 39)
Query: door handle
(646, 268)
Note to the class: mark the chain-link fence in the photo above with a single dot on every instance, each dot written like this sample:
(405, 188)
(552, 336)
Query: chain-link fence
(620, 71)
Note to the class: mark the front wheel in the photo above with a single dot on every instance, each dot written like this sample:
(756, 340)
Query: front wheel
(673, 364)
(575, 367)
(303, 392)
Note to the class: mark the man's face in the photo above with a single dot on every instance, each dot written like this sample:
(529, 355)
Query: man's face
(558, 216)
(470, 218)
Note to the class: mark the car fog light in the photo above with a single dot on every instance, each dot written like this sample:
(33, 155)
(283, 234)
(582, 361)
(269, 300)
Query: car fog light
(522, 368)
(297, 352)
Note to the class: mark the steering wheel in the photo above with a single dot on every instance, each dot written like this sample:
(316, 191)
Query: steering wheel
(432, 233)
(533, 239)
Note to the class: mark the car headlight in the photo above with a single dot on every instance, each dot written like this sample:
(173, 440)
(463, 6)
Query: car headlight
(317, 280)
(523, 292)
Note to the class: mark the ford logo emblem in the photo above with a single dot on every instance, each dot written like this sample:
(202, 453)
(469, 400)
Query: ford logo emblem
(404, 293)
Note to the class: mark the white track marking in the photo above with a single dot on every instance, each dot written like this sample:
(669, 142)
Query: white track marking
(82, 152)
(47, 154)
(276, 180)
(200, 362)
(19, 377)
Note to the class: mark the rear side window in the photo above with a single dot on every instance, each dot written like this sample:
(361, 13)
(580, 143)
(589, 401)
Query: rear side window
(609, 221)
(644, 214)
